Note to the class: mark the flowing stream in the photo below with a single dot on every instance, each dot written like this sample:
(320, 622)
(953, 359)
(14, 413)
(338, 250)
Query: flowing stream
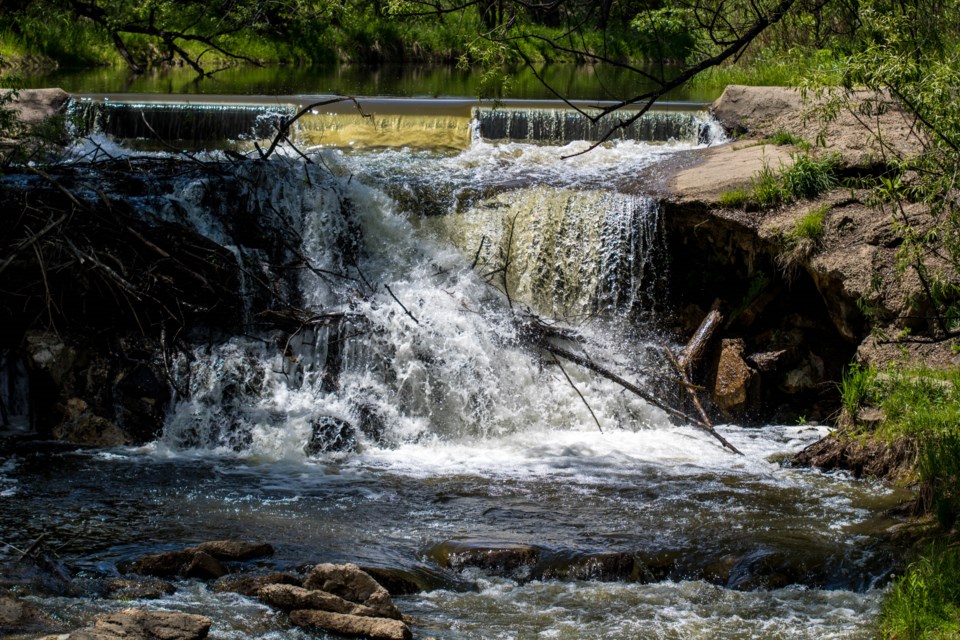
(418, 425)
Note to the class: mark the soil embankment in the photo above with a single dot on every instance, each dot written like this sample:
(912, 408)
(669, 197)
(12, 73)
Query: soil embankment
(837, 291)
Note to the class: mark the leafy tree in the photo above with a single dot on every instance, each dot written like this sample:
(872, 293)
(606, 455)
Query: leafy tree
(909, 50)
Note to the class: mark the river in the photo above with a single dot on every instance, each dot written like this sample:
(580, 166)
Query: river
(446, 434)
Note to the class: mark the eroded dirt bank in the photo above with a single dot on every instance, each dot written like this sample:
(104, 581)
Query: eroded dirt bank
(799, 308)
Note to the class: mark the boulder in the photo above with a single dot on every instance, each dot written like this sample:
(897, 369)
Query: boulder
(203, 561)
(289, 597)
(162, 565)
(351, 583)
(139, 589)
(731, 387)
(251, 585)
(205, 567)
(355, 626)
(235, 549)
(136, 624)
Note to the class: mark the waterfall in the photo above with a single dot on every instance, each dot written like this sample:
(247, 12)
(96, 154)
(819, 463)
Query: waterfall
(190, 125)
(412, 343)
(417, 267)
(568, 253)
(559, 126)
(215, 122)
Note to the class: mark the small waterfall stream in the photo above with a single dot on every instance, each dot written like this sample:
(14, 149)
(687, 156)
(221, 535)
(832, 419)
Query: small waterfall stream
(410, 416)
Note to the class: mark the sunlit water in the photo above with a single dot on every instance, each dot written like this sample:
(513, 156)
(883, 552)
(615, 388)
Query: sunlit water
(464, 433)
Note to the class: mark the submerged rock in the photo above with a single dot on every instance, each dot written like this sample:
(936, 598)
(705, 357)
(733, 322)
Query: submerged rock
(235, 549)
(139, 589)
(205, 567)
(357, 626)
(163, 565)
(251, 585)
(499, 557)
(328, 434)
(203, 561)
(405, 581)
(136, 624)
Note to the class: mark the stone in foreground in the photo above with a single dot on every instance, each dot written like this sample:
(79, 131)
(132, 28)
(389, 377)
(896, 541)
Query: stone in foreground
(289, 597)
(351, 583)
(354, 626)
(135, 624)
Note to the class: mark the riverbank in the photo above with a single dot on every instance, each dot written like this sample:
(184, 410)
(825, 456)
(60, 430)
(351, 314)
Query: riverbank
(898, 407)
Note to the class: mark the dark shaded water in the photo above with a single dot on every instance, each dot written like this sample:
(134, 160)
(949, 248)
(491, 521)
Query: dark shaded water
(571, 81)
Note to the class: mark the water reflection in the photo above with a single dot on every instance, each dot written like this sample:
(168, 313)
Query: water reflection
(572, 81)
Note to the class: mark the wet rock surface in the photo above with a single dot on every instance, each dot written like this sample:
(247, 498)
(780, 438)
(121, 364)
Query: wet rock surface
(250, 585)
(353, 626)
(349, 582)
(339, 598)
(289, 597)
(21, 616)
(134, 624)
(203, 561)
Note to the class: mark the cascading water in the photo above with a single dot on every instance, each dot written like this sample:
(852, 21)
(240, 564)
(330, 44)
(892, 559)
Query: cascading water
(410, 415)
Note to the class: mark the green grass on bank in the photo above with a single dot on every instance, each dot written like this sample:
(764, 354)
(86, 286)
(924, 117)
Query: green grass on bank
(923, 405)
(808, 177)
(924, 603)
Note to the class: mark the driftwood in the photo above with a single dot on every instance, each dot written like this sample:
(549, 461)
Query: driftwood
(707, 424)
(700, 342)
(587, 363)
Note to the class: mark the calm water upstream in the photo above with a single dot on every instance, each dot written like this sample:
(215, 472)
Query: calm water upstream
(467, 438)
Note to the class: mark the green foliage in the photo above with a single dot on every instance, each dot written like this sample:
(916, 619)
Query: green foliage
(923, 405)
(665, 33)
(924, 603)
(810, 226)
(920, 403)
(767, 187)
(783, 138)
(909, 50)
(737, 198)
(939, 470)
(857, 385)
(809, 176)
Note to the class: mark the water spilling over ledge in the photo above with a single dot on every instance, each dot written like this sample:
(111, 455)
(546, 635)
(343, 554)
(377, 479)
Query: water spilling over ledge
(198, 122)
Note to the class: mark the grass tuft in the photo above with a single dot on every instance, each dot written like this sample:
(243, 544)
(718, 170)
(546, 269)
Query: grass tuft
(784, 138)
